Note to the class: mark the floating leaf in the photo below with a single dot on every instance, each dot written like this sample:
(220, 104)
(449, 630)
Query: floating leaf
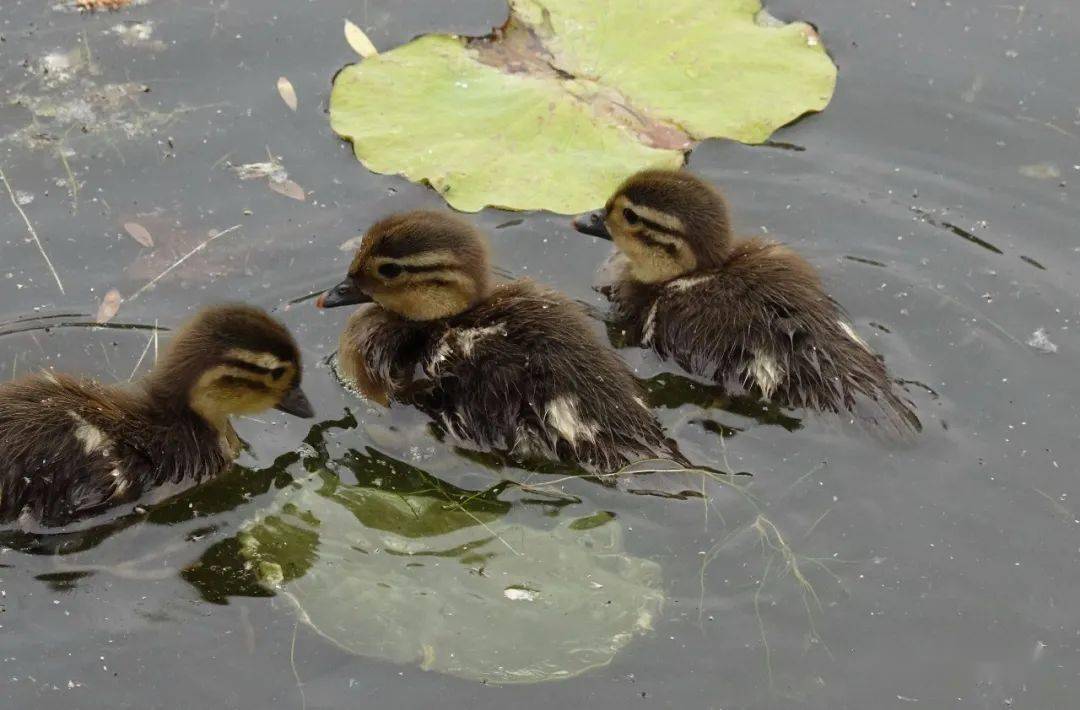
(109, 307)
(351, 245)
(139, 233)
(417, 577)
(571, 96)
(288, 188)
(288, 93)
(359, 41)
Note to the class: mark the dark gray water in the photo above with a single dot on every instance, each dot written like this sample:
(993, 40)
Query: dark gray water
(937, 194)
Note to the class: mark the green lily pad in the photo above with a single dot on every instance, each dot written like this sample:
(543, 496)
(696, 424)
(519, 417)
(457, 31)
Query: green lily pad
(571, 96)
(475, 596)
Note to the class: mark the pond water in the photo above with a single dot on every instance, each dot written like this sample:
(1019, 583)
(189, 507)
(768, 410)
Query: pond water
(937, 194)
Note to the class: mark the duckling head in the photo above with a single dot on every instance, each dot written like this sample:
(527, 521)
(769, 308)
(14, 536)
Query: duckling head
(419, 265)
(667, 222)
(232, 360)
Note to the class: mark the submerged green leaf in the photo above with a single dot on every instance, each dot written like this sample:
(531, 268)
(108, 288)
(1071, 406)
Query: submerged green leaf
(460, 598)
(571, 96)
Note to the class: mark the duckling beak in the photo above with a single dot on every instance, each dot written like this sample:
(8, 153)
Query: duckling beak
(346, 293)
(592, 224)
(296, 403)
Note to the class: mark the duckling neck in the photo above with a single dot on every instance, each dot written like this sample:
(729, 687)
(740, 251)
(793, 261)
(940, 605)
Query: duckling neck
(171, 401)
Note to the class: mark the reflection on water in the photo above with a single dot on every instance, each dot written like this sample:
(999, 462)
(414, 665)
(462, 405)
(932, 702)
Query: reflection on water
(671, 391)
(386, 560)
(955, 556)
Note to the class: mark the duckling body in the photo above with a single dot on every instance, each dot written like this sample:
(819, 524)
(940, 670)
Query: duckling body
(516, 367)
(72, 448)
(747, 314)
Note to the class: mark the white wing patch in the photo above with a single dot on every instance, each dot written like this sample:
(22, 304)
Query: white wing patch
(441, 353)
(850, 332)
(562, 413)
(688, 282)
(468, 337)
(766, 372)
(121, 482)
(650, 325)
(94, 440)
(464, 341)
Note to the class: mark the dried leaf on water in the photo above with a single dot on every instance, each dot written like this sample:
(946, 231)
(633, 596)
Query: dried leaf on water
(139, 233)
(359, 41)
(288, 93)
(289, 188)
(352, 244)
(109, 307)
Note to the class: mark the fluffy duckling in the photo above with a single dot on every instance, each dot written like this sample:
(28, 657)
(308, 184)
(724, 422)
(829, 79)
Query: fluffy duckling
(513, 367)
(747, 313)
(72, 448)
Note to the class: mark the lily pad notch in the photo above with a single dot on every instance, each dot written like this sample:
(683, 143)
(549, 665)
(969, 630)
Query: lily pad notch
(556, 107)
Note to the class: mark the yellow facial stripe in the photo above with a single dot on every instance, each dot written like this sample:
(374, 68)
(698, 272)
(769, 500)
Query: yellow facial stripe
(258, 359)
(429, 258)
(664, 219)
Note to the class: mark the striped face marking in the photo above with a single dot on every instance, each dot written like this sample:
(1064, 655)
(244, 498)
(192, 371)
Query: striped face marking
(653, 240)
(242, 382)
(426, 285)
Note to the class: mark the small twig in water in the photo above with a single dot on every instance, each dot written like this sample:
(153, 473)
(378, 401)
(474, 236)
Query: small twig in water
(292, 662)
(178, 262)
(488, 528)
(149, 341)
(33, 233)
(72, 182)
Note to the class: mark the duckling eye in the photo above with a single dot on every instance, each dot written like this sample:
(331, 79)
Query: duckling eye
(631, 216)
(277, 372)
(390, 270)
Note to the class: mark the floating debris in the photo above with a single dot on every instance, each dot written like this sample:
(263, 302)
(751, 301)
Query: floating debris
(1041, 171)
(139, 35)
(352, 244)
(288, 93)
(519, 594)
(359, 41)
(289, 188)
(254, 171)
(276, 176)
(139, 233)
(110, 306)
(1041, 342)
(93, 5)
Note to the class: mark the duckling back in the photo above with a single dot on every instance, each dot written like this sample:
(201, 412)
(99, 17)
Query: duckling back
(763, 321)
(521, 371)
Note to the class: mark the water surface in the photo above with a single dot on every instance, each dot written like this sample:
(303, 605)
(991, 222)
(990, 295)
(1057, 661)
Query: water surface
(937, 194)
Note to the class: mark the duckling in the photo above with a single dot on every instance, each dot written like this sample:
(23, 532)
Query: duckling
(72, 448)
(748, 314)
(513, 367)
